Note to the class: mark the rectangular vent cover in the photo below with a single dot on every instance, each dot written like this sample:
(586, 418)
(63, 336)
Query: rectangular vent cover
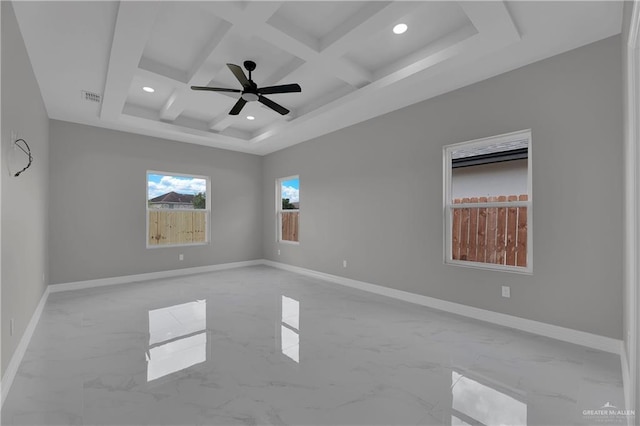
(91, 97)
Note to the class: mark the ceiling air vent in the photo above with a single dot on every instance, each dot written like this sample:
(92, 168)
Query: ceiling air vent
(91, 97)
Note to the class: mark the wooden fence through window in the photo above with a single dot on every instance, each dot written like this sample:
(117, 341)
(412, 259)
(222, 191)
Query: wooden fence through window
(168, 227)
(290, 225)
(495, 235)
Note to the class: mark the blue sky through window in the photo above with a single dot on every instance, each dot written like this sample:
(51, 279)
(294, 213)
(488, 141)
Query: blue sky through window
(290, 189)
(159, 184)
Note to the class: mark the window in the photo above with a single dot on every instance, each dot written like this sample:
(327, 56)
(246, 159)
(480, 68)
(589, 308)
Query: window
(288, 208)
(178, 209)
(487, 203)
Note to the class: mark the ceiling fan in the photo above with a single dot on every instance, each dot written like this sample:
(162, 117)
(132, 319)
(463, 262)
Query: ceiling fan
(251, 92)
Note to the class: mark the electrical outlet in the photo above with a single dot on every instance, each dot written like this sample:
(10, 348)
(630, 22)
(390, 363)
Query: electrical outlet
(278, 252)
(344, 263)
(506, 291)
(11, 326)
(181, 256)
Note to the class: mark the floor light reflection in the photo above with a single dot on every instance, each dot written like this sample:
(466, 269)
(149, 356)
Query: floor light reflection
(177, 338)
(476, 403)
(290, 328)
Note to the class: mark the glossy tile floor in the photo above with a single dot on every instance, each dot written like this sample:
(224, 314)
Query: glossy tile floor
(257, 345)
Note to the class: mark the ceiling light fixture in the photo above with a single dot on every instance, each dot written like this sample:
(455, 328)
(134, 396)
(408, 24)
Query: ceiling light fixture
(250, 117)
(148, 89)
(251, 92)
(400, 28)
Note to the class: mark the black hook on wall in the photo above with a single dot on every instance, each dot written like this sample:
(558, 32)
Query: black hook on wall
(27, 151)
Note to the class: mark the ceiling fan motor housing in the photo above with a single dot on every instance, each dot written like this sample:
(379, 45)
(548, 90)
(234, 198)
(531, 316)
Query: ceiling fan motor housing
(250, 93)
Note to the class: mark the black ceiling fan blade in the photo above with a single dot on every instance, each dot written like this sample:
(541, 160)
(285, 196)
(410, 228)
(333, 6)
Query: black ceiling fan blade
(237, 107)
(274, 106)
(215, 89)
(237, 71)
(284, 88)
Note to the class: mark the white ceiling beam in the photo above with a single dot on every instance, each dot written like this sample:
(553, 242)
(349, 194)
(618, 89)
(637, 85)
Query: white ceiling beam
(347, 72)
(372, 17)
(163, 130)
(157, 71)
(253, 20)
(221, 122)
(174, 105)
(259, 12)
(492, 19)
(352, 32)
(493, 29)
(325, 99)
(132, 30)
(283, 71)
(287, 42)
(254, 13)
(200, 72)
(209, 51)
(229, 11)
(245, 22)
(294, 31)
(439, 45)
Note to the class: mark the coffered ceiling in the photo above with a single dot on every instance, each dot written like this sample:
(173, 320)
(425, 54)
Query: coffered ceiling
(344, 55)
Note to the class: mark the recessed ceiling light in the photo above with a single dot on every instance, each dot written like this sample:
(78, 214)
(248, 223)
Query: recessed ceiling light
(148, 89)
(250, 117)
(400, 28)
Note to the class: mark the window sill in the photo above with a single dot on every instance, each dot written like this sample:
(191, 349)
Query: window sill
(176, 245)
(490, 267)
(292, 243)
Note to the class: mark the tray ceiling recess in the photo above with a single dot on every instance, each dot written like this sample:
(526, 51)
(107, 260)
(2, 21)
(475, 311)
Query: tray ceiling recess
(141, 58)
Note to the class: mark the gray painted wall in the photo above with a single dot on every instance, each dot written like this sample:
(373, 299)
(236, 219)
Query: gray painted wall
(372, 193)
(98, 203)
(24, 199)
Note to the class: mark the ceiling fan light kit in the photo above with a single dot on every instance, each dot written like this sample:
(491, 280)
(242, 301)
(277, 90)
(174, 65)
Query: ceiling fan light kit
(251, 92)
(250, 97)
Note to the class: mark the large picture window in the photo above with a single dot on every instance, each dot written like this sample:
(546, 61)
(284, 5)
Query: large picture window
(487, 203)
(178, 208)
(288, 209)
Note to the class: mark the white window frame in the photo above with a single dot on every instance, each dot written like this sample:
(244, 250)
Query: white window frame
(279, 211)
(207, 209)
(448, 211)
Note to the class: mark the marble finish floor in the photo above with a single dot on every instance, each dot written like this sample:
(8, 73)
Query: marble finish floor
(261, 346)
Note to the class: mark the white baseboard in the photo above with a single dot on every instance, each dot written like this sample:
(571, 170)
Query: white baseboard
(16, 359)
(577, 337)
(77, 285)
